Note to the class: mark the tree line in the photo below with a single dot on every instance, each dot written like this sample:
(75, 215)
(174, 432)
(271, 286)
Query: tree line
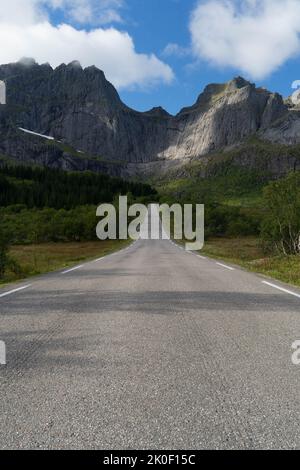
(45, 187)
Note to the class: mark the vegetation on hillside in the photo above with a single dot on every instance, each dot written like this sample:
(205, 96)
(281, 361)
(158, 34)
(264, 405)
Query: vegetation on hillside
(232, 200)
(43, 187)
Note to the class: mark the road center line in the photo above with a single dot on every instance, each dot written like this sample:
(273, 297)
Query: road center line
(15, 290)
(281, 289)
(72, 269)
(225, 266)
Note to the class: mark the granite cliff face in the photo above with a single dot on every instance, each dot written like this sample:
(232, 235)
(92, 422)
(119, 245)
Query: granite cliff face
(93, 129)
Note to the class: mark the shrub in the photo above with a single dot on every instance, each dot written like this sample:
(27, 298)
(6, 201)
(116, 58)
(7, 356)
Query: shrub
(281, 225)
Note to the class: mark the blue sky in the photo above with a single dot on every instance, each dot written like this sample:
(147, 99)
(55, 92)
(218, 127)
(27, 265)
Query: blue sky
(158, 23)
(160, 52)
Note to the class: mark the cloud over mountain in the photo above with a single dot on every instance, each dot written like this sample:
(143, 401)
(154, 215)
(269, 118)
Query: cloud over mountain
(27, 30)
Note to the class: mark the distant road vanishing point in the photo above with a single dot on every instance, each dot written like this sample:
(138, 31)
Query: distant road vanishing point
(152, 347)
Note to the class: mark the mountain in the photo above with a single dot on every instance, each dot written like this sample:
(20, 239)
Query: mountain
(77, 121)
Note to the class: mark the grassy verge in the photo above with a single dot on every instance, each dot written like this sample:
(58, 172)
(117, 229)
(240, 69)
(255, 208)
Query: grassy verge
(247, 252)
(46, 257)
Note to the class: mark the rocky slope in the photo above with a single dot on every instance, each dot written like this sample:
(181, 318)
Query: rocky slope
(93, 129)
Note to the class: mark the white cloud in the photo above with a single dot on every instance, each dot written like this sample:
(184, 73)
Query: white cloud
(25, 30)
(173, 49)
(19, 12)
(89, 11)
(254, 36)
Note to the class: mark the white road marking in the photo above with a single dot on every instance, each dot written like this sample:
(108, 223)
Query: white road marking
(225, 266)
(200, 256)
(72, 269)
(15, 290)
(112, 254)
(281, 289)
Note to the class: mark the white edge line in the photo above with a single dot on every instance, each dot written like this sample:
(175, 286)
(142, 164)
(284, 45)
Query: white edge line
(225, 266)
(72, 269)
(15, 290)
(109, 255)
(281, 289)
(187, 251)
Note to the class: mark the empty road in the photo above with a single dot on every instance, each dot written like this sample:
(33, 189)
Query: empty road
(152, 347)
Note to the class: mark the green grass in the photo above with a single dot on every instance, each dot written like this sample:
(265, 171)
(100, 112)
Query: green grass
(253, 199)
(46, 257)
(248, 253)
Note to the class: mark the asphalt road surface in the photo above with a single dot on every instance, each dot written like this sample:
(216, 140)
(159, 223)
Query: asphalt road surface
(150, 348)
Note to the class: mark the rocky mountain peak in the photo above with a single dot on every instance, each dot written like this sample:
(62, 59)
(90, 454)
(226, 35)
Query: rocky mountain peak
(158, 112)
(238, 83)
(75, 64)
(27, 61)
(214, 92)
